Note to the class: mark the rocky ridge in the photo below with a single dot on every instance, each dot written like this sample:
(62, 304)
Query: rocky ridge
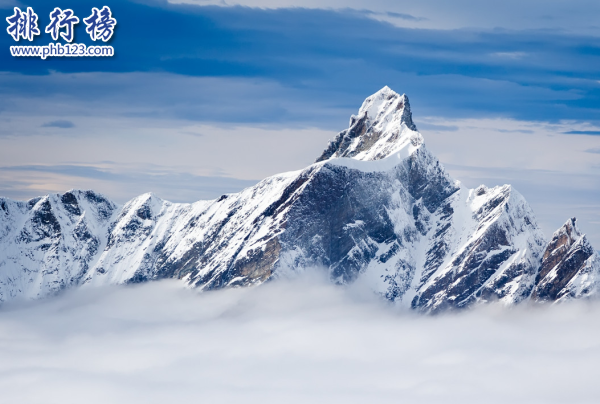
(376, 207)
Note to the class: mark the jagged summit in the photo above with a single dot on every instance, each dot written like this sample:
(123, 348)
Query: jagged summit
(383, 125)
(569, 232)
(570, 267)
(386, 101)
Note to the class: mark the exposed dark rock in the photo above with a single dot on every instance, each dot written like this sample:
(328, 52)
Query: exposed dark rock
(144, 212)
(70, 203)
(44, 222)
(32, 202)
(564, 257)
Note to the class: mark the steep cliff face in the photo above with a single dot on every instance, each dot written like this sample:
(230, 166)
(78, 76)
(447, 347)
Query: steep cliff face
(495, 255)
(570, 267)
(377, 207)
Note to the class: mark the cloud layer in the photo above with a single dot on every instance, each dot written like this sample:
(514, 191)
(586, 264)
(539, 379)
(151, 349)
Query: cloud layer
(289, 341)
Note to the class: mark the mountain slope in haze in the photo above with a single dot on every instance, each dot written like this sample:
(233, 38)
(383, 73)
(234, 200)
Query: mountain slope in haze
(376, 207)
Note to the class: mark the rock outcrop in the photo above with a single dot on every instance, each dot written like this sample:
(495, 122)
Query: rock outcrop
(570, 267)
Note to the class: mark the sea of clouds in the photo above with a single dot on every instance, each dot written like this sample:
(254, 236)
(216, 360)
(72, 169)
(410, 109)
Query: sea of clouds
(290, 341)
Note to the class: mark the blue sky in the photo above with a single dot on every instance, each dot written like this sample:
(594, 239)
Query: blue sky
(523, 74)
(280, 78)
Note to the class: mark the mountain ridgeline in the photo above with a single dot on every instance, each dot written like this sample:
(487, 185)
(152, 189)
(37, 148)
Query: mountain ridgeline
(376, 207)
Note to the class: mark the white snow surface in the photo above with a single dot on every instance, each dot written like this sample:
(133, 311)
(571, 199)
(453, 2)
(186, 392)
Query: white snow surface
(383, 116)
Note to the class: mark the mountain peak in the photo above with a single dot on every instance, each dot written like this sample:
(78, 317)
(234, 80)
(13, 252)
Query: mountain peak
(570, 266)
(385, 91)
(383, 124)
(387, 102)
(382, 99)
(569, 231)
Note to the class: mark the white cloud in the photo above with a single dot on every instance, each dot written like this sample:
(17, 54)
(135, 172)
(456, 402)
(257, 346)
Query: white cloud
(580, 16)
(294, 342)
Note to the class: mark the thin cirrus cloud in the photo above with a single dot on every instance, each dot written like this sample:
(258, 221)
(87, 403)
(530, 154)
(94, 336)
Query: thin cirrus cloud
(61, 123)
(576, 17)
(583, 132)
(405, 16)
(29, 181)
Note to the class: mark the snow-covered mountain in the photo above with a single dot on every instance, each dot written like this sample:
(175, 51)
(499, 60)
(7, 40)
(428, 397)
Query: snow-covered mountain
(376, 207)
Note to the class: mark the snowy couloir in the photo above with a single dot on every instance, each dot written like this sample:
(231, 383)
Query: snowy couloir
(376, 207)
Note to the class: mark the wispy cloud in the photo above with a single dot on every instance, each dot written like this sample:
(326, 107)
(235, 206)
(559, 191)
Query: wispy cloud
(526, 131)
(120, 183)
(425, 126)
(118, 157)
(583, 132)
(579, 17)
(510, 55)
(64, 124)
(164, 96)
(404, 16)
